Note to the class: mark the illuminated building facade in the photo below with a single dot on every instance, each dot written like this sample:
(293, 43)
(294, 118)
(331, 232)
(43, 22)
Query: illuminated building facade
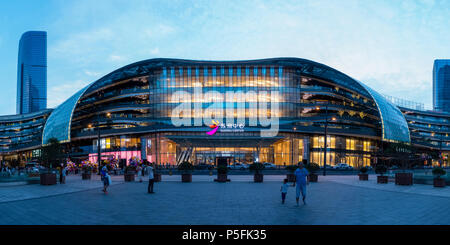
(161, 110)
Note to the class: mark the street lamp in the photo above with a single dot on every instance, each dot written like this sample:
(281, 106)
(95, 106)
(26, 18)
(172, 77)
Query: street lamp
(292, 146)
(97, 125)
(441, 156)
(325, 139)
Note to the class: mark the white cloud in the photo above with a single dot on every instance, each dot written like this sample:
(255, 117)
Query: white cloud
(389, 46)
(115, 58)
(154, 51)
(92, 73)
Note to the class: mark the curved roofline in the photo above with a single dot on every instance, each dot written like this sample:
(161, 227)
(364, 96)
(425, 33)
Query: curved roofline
(188, 61)
(428, 112)
(384, 106)
(18, 117)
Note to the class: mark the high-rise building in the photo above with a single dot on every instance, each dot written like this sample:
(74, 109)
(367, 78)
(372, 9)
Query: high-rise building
(441, 85)
(32, 72)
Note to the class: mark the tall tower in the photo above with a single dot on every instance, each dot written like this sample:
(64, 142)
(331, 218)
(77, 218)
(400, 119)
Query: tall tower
(441, 85)
(32, 72)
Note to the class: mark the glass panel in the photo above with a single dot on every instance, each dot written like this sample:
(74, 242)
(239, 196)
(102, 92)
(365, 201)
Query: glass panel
(58, 123)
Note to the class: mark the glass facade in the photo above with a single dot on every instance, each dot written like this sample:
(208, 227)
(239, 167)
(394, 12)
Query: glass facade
(430, 129)
(395, 127)
(21, 135)
(134, 108)
(140, 99)
(32, 72)
(441, 85)
(58, 124)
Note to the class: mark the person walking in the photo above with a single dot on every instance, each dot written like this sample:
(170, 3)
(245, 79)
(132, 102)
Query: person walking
(139, 173)
(60, 173)
(151, 178)
(301, 179)
(63, 173)
(144, 169)
(106, 179)
(284, 189)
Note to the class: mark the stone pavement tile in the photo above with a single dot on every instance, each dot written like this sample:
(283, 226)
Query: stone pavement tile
(74, 183)
(372, 184)
(237, 202)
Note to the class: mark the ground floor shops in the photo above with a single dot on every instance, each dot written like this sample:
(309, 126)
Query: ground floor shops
(171, 148)
(282, 150)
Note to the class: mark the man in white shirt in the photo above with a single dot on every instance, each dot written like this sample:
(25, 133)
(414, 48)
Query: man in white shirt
(151, 179)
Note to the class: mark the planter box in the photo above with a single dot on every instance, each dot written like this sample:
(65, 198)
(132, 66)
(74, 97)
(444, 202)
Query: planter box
(363, 177)
(439, 182)
(382, 179)
(86, 176)
(186, 178)
(222, 178)
(403, 178)
(48, 179)
(290, 177)
(157, 177)
(128, 177)
(258, 178)
(313, 177)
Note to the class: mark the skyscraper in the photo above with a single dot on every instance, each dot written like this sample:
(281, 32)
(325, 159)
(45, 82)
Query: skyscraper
(441, 85)
(32, 72)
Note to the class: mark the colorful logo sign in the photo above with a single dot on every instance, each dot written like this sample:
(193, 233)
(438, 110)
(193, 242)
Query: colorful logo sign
(214, 126)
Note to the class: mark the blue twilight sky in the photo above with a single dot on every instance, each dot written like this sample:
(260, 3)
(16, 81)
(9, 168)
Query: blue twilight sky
(389, 45)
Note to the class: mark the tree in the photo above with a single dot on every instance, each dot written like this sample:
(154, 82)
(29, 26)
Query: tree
(51, 153)
(403, 154)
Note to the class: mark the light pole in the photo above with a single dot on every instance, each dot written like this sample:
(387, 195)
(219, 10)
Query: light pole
(98, 142)
(441, 156)
(325, 146)
(292, 146)
(97, 126)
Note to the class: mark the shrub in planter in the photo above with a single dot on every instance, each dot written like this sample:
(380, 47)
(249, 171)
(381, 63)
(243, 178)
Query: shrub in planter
(438, 181)
(312, 169)
(257, 167)
(290, 175)
(403, 178)
(186, 169)
(381, 169)
(50, 156)
(363, 173)
(48, 178)
(222, 174)
(129, 173)
(86, 169)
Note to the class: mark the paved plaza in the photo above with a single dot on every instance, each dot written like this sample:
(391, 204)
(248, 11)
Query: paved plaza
(333, 200)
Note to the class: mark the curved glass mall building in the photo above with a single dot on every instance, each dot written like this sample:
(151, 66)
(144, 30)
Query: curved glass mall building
(162, 109)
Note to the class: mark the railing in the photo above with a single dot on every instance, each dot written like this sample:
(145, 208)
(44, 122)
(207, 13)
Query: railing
(113, 94)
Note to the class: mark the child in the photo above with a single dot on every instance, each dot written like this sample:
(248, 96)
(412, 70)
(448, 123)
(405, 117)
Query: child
(284, 189)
